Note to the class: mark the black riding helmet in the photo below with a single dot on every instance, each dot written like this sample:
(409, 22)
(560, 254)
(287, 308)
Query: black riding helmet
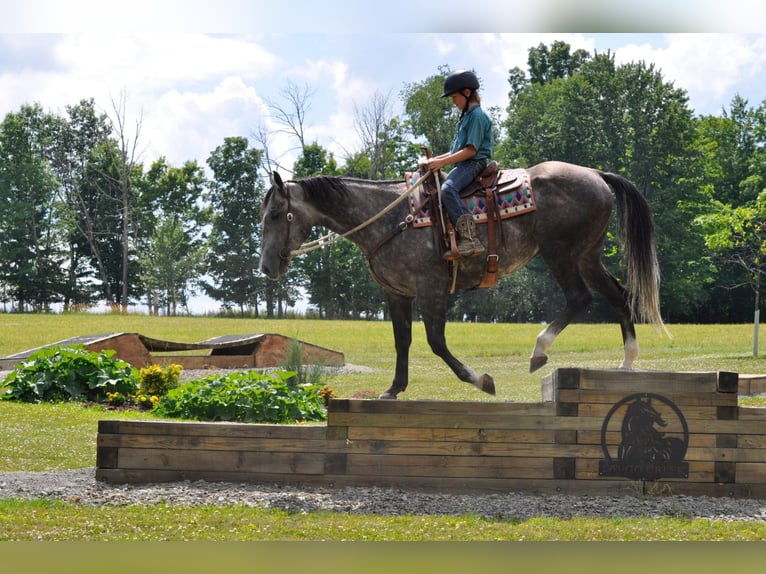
(459, 81)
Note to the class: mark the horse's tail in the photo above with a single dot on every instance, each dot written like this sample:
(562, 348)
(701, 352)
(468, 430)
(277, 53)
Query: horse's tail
(636, 235)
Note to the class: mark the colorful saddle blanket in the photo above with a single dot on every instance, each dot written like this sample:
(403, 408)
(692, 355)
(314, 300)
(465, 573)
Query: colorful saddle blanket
(513, 194)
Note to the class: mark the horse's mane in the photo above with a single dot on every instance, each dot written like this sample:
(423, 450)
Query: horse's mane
(323, 189)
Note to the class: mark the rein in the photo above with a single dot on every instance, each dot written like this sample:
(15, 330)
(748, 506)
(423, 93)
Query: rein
(332, 237)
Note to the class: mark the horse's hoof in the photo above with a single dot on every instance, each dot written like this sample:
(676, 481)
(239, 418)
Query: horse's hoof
(487, 384)
(537, 362)
(388, 396)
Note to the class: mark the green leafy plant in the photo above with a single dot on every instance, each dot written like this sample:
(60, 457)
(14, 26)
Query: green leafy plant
(245, 396)
(55, 374)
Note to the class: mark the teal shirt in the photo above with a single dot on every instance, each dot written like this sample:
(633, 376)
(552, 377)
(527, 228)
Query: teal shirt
(475, 129)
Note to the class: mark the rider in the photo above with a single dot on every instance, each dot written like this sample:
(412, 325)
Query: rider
(471, 149)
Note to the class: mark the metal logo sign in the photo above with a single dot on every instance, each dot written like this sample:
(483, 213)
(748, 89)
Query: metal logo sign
(653, 438)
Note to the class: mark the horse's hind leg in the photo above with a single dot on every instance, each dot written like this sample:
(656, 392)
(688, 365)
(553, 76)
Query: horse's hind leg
(577, 298)
(602, 281)
(434, 313)
(400, 309)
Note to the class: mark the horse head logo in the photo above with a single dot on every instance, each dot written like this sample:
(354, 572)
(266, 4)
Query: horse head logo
(653, 437)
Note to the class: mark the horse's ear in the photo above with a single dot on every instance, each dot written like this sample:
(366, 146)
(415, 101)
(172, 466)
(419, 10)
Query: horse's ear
(276, 180)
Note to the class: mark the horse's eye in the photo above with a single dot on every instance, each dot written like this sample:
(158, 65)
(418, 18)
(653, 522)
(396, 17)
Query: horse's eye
(274, 215)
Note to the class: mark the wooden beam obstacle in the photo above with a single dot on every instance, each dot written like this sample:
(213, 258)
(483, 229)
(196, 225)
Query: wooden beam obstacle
(605, 432)
(225, 352)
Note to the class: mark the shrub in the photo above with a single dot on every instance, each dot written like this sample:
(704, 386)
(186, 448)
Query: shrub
(244, 396)
(156, 381)
(58, 374)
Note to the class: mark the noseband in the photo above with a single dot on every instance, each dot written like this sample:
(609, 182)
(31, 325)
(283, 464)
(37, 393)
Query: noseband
(284, 253)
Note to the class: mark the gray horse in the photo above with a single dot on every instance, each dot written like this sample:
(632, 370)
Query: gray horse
(567, 230)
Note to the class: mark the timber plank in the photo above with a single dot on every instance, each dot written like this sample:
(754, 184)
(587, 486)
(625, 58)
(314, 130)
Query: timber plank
(751, 473)
(711, 454)
(459, 449)
(175, 442)
(208, 460)
(751, 441)
(440, 434)
(751, 455)
(660, 382)
(446, 466)
(727, 426)
(186, 428)
(451, 421)
(420, 407)
(752, 413)
(680, 399)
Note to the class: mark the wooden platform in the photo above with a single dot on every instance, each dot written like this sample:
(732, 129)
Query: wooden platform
(576, 441)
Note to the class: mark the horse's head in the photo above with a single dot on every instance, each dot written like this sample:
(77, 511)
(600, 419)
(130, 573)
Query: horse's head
(284, 226)
(642, 414)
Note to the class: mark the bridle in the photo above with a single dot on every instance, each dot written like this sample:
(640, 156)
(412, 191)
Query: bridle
(285, 253)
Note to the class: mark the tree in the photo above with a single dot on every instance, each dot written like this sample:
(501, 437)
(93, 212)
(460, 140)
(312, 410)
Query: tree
(370, 123)
(127, 165)
(315, 160)
(169, 263)
(235, 196)
(100, 197)
(31, 258)
(292, 115)
(76, 137)
(732, 168)
(100, 219)
(428, 114)
(738, 236)
(547, 64)
(170, 217)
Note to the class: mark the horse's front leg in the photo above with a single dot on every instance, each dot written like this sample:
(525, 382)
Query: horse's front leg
(400, 309)
(433, 309)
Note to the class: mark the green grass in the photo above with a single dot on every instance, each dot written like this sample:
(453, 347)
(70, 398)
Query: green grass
(47, 436)
(63, 436)
(61, 521)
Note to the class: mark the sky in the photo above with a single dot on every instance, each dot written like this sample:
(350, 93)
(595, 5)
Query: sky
(193, 72)
(193, 80)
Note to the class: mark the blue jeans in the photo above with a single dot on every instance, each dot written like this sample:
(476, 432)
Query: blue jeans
(460, 176)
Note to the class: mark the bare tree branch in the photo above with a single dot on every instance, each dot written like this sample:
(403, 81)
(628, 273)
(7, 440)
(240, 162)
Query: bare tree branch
(370, 123)
(293, 115)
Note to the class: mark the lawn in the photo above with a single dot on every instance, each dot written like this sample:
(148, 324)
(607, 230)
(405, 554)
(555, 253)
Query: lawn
(62, 436)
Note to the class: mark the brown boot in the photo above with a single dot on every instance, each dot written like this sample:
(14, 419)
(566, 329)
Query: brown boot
(468, 244)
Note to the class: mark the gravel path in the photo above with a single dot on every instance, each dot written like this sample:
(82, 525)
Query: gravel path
(81, 487)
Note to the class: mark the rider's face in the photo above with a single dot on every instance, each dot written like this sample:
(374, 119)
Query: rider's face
(459, 99)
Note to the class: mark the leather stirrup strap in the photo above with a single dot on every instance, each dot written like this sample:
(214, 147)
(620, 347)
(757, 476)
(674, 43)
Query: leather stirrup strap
(452, 243)
(490, 274)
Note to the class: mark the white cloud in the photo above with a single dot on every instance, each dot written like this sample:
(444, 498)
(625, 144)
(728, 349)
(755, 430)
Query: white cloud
(710, 67)
(188, 125)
